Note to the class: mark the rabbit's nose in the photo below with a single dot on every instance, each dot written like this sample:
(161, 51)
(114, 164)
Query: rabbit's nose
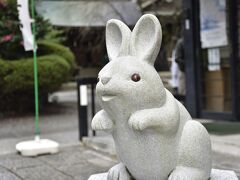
(105, 80)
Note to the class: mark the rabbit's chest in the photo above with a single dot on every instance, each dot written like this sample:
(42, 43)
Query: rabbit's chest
(144, 152)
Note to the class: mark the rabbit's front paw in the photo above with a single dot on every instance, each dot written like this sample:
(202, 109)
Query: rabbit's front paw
(137, 122)
(101, 122)
(118, 172)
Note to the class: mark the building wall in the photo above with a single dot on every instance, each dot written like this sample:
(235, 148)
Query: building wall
(239, 55)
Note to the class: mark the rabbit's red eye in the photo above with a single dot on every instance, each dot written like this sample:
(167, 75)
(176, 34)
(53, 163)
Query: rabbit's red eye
(136, 77)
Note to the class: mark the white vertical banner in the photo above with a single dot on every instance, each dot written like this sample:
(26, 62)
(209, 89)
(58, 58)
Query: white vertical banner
(214, 59)
(83, 95)
(25, 20)
(213, 23)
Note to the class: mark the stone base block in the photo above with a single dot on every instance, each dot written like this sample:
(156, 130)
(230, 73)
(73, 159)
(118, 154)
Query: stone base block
(216, 174)
(102, 176)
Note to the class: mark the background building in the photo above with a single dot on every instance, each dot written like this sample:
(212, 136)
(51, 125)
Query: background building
(211, 32)
(212, 69)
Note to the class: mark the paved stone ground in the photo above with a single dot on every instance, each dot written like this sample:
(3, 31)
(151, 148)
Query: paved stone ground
(76, 163)
(62, 119)
(72, 163)
(226, 162)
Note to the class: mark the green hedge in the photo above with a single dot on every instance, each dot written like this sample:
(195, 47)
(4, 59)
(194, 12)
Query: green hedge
(53, 48)
(55, 65)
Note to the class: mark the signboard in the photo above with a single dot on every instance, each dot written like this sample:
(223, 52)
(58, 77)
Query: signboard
(213, 23)
(213, 59)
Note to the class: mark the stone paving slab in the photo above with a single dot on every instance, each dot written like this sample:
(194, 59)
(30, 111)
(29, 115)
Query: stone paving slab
(71, 163)
(15, 161)
(42, 172)
(226, 162)
(7, 175)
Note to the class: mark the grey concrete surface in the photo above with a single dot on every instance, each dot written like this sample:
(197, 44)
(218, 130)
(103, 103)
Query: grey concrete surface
(72, 163)
(59, 119)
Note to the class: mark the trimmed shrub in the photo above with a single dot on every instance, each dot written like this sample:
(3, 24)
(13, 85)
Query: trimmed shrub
(17, 81)
(50, 47)
(55, 62)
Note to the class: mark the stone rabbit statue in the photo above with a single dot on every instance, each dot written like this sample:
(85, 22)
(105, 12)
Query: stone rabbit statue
(154, 135)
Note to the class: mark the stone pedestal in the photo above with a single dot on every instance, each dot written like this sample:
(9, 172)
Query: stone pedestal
(216, 174)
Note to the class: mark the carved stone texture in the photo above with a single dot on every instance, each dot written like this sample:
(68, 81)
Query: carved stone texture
(154, 135)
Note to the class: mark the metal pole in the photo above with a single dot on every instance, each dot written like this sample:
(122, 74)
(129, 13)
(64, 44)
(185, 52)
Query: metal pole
(37, 130)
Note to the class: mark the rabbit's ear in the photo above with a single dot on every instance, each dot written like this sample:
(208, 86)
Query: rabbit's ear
(146, 38)
(117, 39)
